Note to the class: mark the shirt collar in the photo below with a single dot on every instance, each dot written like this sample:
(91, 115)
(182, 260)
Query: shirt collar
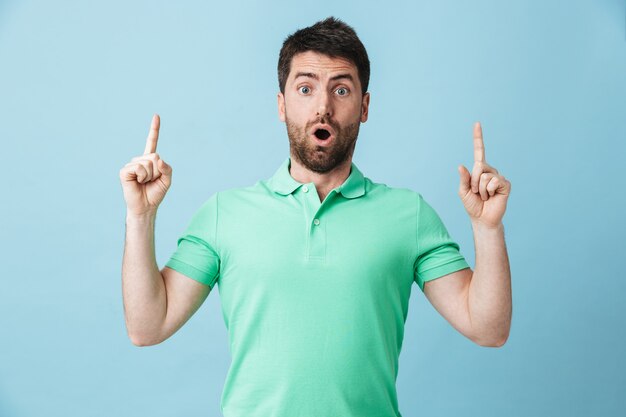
(283, 183)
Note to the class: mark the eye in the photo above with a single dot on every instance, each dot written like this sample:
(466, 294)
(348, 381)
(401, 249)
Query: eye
(342, 91)
(304, 89)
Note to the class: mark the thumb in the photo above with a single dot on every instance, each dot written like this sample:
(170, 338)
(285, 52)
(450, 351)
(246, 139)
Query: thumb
(164, 167)
(465, 178)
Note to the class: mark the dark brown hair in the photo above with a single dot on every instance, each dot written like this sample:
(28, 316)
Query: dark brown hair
(330, 37)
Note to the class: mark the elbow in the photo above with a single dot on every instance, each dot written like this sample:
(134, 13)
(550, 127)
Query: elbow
(140, 340)
(142, 336)
(495, 341)
(495, 344)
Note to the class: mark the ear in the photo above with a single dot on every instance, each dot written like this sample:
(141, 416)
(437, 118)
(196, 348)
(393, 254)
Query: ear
(365, 107)
(281, 106)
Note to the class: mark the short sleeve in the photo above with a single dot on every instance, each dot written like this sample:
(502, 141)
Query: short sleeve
(196, 254)
(437, 253)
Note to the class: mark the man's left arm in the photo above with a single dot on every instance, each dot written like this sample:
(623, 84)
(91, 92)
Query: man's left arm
(489, 302)
(479, 304)
(484, 194)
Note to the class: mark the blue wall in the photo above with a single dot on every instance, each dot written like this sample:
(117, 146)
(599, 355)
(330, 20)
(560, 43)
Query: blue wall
(79, 82)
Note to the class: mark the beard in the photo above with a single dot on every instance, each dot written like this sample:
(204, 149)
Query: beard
(322, 159)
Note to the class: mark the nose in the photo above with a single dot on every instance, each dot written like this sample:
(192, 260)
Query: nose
(325, 106)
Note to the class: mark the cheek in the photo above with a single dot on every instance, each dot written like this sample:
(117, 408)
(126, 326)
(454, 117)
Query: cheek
(296, 110)
(350, 111)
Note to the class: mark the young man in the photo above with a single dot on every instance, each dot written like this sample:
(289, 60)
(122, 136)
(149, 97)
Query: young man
(315, 265)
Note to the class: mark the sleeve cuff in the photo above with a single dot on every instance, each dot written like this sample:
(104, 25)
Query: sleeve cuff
(440, 271)
(191, 272)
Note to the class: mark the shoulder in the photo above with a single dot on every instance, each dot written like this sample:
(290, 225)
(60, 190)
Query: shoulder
(378, 190)
(236, 195)
(241, 201)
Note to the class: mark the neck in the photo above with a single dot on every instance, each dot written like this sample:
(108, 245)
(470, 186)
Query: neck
(324, 182)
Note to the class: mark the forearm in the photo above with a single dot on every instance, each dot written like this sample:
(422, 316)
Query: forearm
(145, 301)
(489, 294)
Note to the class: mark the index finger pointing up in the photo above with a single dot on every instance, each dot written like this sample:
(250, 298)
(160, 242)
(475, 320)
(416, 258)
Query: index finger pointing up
(153, 136)
(479, 146)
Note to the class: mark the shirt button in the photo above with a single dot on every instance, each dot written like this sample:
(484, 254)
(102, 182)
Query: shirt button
(316, 222)
(305, 189)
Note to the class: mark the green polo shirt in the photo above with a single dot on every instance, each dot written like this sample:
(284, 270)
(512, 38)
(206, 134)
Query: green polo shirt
(314, 294)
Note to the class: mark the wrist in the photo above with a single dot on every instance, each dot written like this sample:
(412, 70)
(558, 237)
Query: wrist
(140, 218)
(479, 226)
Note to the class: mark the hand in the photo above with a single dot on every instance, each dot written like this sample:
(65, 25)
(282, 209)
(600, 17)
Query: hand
(485, 192)
(146, 179)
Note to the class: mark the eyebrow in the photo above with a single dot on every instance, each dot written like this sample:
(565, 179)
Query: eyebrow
(334, 78)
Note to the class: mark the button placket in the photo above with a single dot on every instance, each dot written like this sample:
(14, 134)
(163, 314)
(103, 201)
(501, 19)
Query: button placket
(316, 239)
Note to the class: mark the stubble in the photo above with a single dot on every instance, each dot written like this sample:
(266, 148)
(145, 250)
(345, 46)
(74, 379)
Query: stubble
(322, 159)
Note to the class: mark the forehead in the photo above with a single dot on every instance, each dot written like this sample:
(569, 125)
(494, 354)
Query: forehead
(317, 63)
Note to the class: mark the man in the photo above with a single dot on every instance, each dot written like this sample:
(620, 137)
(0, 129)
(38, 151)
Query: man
(315, 265)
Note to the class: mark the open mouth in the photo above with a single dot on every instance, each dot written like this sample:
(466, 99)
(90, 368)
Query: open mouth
(322, 134)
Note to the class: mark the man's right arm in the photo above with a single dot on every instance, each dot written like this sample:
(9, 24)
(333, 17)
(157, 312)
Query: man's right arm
(156, 303)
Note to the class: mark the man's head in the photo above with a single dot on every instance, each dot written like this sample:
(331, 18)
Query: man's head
(330, 37)
(323, 73)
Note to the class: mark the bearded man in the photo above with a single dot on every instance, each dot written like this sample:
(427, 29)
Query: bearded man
(315, 265)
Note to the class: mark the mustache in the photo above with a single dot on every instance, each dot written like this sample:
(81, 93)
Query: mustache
(324, 120)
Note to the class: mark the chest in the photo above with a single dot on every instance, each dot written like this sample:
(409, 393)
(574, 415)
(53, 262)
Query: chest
(343, 245)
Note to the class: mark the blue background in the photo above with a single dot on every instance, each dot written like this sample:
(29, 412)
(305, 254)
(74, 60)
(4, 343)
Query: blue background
(79, 82)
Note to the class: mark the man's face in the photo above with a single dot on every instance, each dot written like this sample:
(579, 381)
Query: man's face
(323, 107)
